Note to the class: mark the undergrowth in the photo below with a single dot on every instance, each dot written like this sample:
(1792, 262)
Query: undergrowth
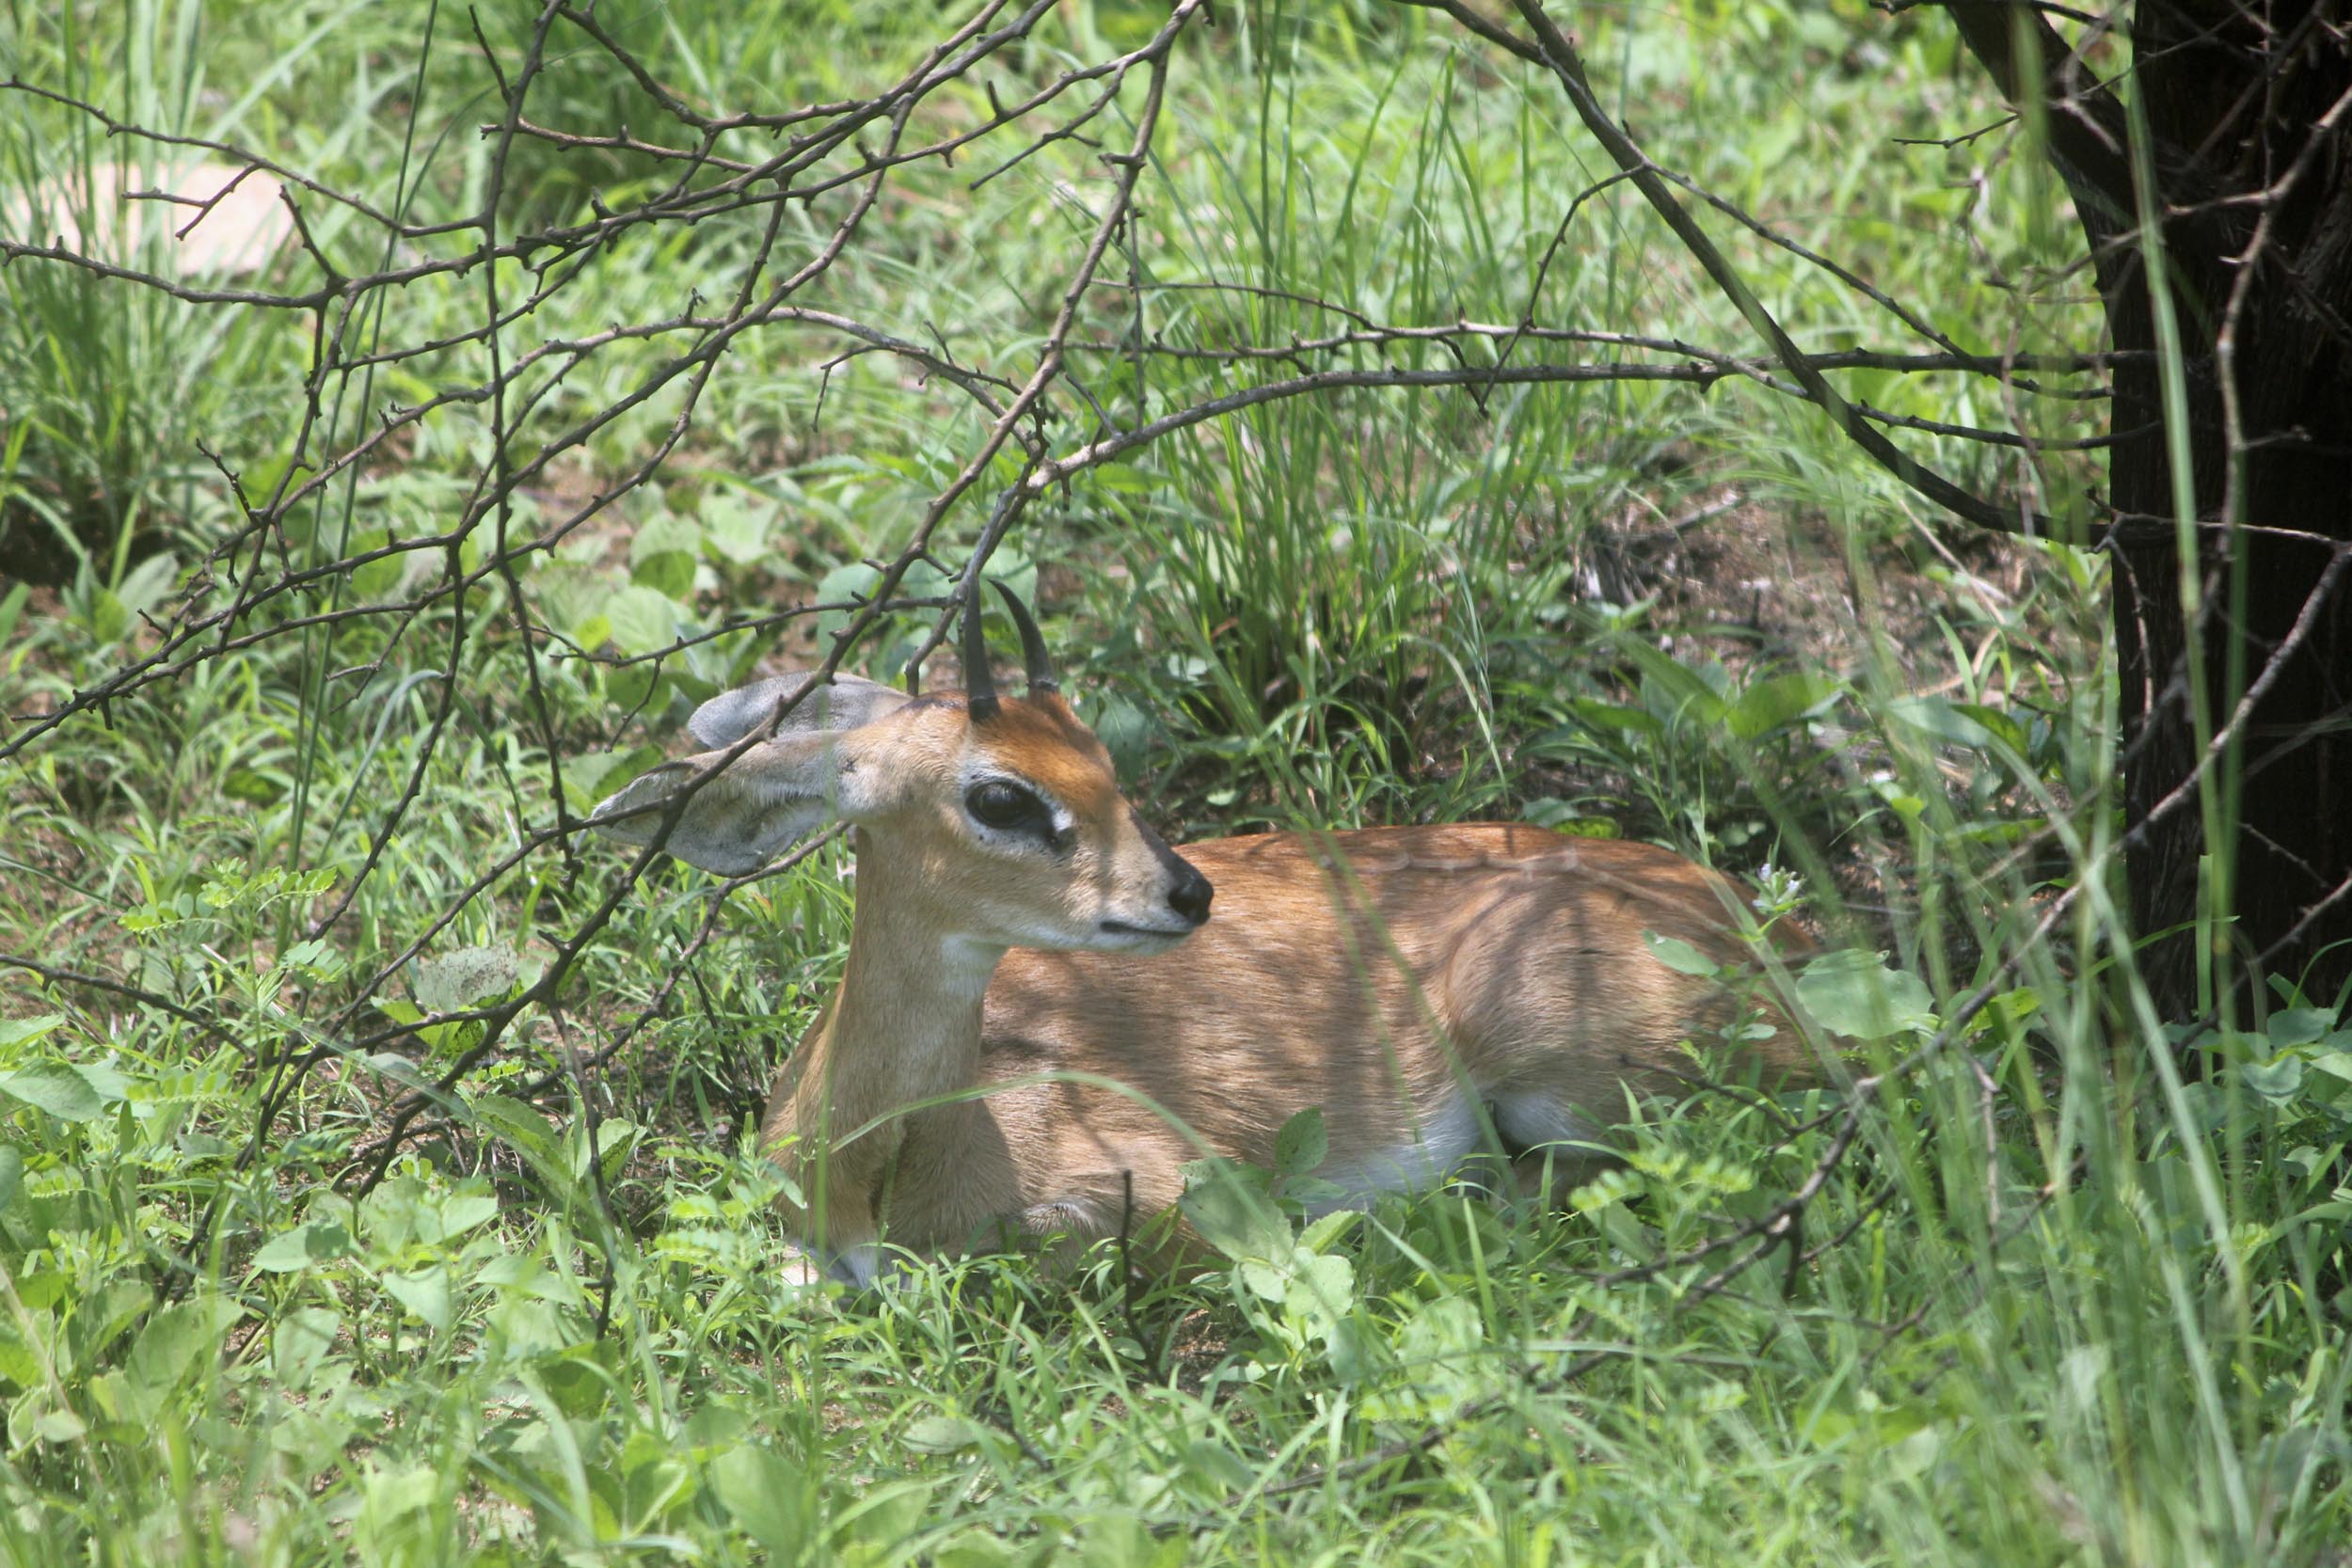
(2056, 1282)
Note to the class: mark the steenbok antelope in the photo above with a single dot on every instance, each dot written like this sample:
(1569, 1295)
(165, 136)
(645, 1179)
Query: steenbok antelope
(1435, 990)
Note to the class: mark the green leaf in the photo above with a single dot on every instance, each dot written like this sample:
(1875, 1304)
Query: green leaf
(1218, 1464)
(106, 1080)
(670, 573)
(1676, 692)
(300, 1340)
(109, 618)
(2336, 1064)
(1325, 1229)
(1775, 703)
(177, 1336)
(614, 1137)
(377, 579)
(462, 1211)
(1302, 1144)
(1940, 719)
(2277, 1082)
(1615, 719)
(1228, 1206)
(145, 585)
(1679, 954)
(515, 1122)
(464, 978)
(643, 620)
(943, 1434)
(665, 534)
(60, 1091)
(766, 1494)
(2296, 1026)
(11, 1177)
(736, 530)
(425, 1292)
(318, 1242)
(855, 581)
(1997, 725)
(1320, 1289)
(60, 1426)
(18, 1031)
(1858, 994)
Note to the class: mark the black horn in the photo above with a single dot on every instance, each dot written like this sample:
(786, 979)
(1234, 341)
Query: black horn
(1038, 663)
(979, 685)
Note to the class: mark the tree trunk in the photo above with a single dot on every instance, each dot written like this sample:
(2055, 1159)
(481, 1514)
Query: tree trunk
(2249, 121)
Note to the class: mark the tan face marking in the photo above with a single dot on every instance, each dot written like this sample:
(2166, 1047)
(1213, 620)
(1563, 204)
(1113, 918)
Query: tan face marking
(1062, 860)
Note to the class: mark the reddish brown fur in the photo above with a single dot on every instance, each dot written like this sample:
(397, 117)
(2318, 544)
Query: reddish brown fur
(1400, 978)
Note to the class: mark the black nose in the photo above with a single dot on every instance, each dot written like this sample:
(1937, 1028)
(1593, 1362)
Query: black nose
(1190, 896)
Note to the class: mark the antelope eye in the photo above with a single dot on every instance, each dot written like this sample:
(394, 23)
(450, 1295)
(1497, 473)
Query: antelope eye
(999, 804)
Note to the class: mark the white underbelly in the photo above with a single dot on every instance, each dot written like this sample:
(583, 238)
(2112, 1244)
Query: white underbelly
(1451, 1134)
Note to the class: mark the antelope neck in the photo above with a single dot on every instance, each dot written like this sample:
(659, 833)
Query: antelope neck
(906, 1022)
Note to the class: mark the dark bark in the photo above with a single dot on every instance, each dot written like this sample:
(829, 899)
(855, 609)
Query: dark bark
(2248, 113)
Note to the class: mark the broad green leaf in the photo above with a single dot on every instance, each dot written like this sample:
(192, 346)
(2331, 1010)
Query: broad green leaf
(1218, 1464)
(1777, 703)
(425, 1292)
(1859, 995)
(2295, 1026)
(1324, 1231)
(176, 1337)
(1615, 717)
(1997, 725)
(300, 1340)
(644, 621)
(736, 529)
(614, 1139)
(592, 775)
(766, 1494)
(515, 1121)
(60, 1426)
(2276, 1082)
(1940, 719)
(12, 1175)
(109, 618)
(665, 534)
(464, 979)
(376, 579)
(2336, 1064)
(669, 573)
(1679, 954)
(462, 1211)
(1302, 1144)
(106, 1080)
(60, 1091)
(1227, 1204)
(317, 1241)
(145, 584)
(943, 1434)
(632, 690)
(17, 1031)
(1320, 1287)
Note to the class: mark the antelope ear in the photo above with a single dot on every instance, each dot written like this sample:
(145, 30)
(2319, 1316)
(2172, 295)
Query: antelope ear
(744, 815)
(844, 704)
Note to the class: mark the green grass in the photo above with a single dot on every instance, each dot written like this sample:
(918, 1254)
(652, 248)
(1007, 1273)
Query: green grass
(2076, 1294)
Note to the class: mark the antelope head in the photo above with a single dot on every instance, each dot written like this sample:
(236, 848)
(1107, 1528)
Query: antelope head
(995, 821)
